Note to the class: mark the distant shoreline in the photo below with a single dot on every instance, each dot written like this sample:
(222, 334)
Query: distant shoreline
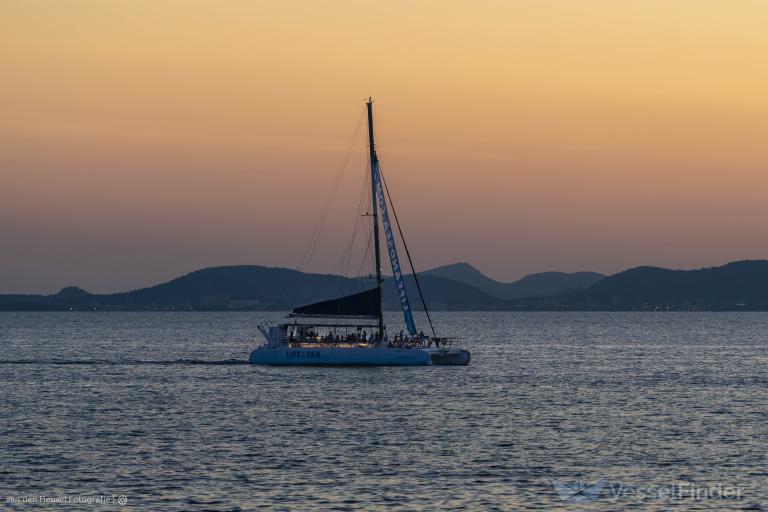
(736, 286)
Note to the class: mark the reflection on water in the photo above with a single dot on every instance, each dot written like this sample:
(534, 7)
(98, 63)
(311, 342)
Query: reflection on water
(159, 407)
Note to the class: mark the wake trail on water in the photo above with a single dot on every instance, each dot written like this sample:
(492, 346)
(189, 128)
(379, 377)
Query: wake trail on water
(173, 362)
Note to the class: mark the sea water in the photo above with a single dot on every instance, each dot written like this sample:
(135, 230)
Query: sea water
(593, 411)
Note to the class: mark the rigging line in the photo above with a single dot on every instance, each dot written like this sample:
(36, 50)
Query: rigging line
(368, 243)
(346, 258)
(365, 259)
(407, 252)
(368, 256)
(309, 253)
(332, 195)
(343, 264)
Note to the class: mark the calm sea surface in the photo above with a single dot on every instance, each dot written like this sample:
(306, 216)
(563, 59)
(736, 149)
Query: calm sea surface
(651, 408)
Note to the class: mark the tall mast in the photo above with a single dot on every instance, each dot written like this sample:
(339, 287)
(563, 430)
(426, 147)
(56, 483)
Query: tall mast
(375, 212)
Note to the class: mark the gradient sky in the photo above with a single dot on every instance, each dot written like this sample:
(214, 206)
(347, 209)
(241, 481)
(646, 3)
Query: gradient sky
(142, 139)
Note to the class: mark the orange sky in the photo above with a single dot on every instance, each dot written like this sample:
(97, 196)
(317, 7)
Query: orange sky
(141, 139)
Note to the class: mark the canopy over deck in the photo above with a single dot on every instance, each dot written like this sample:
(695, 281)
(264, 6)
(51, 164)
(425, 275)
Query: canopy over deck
(363, 305)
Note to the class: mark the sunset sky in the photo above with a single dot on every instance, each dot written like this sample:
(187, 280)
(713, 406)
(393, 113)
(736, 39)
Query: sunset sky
(143, 139)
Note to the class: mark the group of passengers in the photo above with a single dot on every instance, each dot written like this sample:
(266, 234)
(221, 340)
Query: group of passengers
(400, 340)
(333, 338)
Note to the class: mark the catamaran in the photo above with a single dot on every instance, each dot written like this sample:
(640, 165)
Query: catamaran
(350, 330)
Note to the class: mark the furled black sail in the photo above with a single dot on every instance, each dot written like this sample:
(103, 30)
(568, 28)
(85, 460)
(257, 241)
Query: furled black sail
(365, 304)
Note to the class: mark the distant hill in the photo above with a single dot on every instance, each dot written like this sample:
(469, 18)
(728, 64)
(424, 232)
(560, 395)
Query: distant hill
(741, 285)
(733, 286)
(534, 285)
(252, 287)
(441, 293)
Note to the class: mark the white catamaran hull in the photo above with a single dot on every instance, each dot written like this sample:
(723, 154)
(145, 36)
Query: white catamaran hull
(331, 356)
(448, 356)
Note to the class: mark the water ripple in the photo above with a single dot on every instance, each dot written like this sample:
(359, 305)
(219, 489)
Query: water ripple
(164, 409)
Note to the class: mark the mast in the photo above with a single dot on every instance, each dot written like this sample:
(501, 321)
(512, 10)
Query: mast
(375, 212)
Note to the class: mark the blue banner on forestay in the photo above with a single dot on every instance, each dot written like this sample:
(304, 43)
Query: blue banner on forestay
(393, 253)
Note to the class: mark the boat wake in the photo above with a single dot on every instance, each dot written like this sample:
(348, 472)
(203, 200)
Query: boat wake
(173, 362)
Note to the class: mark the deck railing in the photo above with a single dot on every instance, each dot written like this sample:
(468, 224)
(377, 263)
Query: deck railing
(440, 342)
(450, 342)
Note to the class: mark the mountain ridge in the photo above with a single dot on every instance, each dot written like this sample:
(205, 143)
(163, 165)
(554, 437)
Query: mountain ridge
(735, 286)
(532, 285)
(251, 287)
